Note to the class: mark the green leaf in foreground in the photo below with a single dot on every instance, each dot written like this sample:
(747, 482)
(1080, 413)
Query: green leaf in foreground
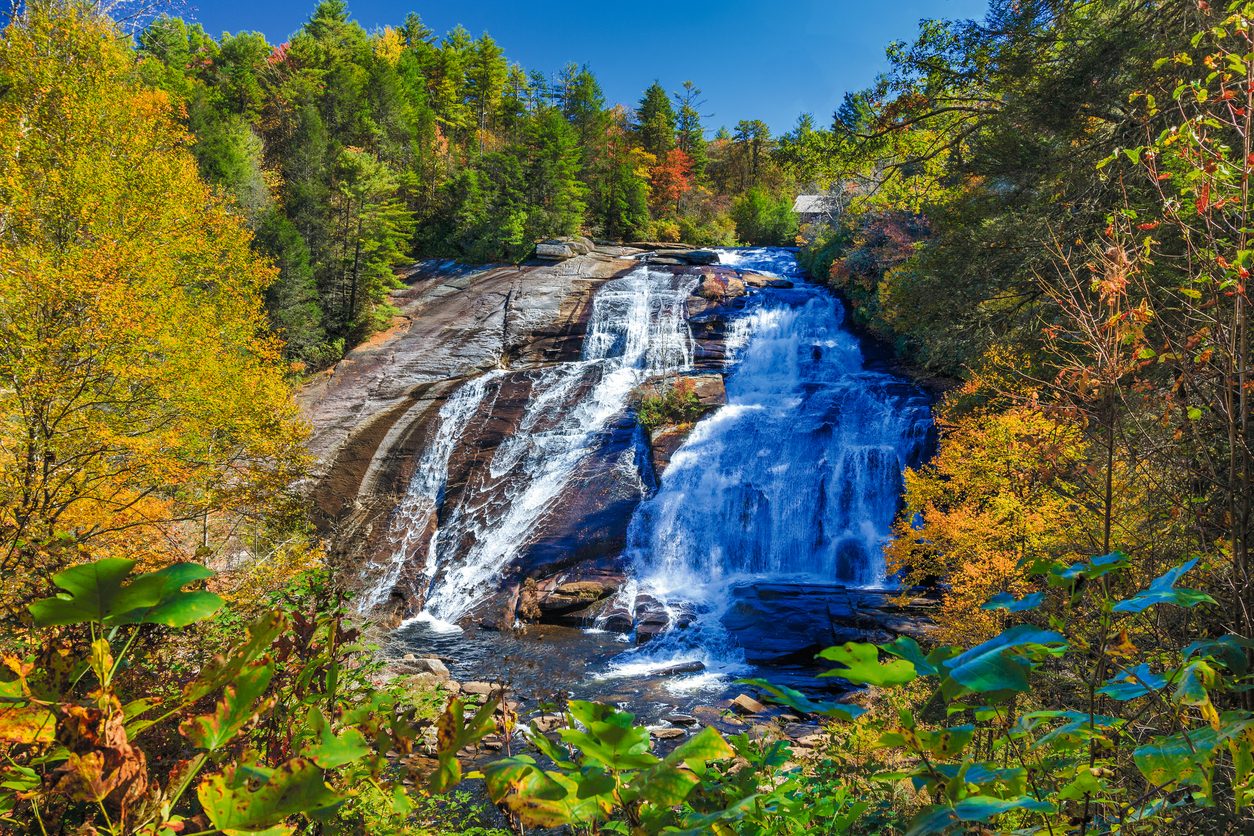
(1002, 663)
(90, 592)
(977, 808)
(240, 703)
(98, 592)
(1134, 683)
(1162, 590)
(1188, 758)
(253, 798)
(860, 664)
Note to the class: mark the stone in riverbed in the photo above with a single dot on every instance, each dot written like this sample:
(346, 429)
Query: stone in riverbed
(617, 619)
(666, 733)
(676, 256)
(680, 719)
(681, 668)
(546, 723)
(720, 286)
(431, 665)
(421, 681)
(746, 704)
(798, 731)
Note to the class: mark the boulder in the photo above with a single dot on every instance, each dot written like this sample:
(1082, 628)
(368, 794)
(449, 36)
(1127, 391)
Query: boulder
(546, 723)
(617, 619)
(555, 250)
(482, 689)
(425, 681)
(665, 733)
(651, 618)
(680, 719)
(681, 668)
(574, 602)
(710, 389)
(720, 286)
(802, 731)
(681, 257)
(782, 284)
(756, 279)
(745, 704)
(430, 665)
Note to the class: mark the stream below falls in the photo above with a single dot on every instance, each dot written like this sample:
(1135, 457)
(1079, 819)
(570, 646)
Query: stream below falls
(761, 541)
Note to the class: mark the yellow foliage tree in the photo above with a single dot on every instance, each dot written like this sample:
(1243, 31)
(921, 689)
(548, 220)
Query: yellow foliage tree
(996, 497)
(142, 401)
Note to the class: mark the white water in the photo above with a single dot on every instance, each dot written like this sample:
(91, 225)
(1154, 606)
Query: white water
(415, 513)
(798, 476)
(637, 328)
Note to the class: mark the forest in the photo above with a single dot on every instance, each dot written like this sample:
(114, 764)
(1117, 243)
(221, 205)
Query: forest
(351, 153)
(1043, 215)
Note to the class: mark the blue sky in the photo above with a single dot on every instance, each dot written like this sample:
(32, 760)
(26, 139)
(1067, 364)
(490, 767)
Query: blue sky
(769, 61)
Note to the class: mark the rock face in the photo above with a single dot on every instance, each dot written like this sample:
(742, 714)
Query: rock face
(786, 623)
(711, 392)
(374, 413)
(378, 410)
(560, 249)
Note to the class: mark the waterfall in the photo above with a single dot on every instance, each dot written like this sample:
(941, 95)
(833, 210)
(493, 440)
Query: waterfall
(797, 476)
(417, 510)
(636, 329)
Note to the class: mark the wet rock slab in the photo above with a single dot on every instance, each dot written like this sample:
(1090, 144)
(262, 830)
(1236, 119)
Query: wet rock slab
(788, 623)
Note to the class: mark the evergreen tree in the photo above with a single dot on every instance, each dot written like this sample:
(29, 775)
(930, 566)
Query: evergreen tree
(485, 83)
(689, 134)
(553, 161)
(655, 121)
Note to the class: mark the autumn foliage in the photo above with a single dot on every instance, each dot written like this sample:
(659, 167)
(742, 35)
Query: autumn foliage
(143, 408)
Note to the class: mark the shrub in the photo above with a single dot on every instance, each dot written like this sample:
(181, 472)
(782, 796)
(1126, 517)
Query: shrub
(286, 724)
(677, 404)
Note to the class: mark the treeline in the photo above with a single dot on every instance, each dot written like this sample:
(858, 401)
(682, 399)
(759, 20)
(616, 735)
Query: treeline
(352, 153)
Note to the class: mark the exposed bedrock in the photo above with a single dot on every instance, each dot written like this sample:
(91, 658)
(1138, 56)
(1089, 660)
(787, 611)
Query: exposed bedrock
(373, 413)
(378, 410)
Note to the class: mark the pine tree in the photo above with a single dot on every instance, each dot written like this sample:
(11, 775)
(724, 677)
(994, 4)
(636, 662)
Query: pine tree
(655, 121)
(689, 134)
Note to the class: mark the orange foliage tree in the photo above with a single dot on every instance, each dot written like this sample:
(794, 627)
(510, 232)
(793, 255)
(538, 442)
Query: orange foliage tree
(996, 497)
(671, 179)
(142, 401)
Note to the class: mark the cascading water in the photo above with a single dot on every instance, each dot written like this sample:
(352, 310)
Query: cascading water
(637, 328)
(797, 476)
(418, 509)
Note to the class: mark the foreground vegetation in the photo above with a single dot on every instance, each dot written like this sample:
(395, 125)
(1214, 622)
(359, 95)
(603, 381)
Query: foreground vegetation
(1051, 206)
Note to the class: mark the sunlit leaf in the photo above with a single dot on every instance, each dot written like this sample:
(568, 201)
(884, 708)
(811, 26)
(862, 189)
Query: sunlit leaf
(239, 705)
(1006, 601)
(1162, 590)
(98, 592)
(860, 664)
(252, 799)
(1002, 663)
(1134, 683)
(792, 698)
